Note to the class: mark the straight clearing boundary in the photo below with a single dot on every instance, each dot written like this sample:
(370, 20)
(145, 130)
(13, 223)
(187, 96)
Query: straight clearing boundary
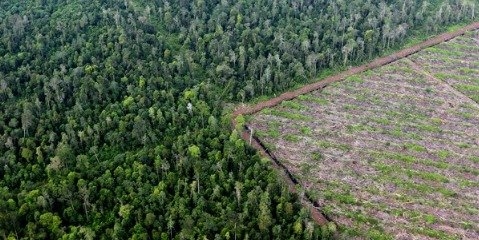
(248, 110)
(316, 214)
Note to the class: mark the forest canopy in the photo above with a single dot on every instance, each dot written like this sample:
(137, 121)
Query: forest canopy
(113, 117)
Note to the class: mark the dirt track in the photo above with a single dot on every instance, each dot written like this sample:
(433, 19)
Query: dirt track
(247, 110)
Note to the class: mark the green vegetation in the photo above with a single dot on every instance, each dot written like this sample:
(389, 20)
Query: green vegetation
(305, 130)
(310, 98)
(291, 138)
(293, 105)
(340, 146)
(112, 117)
(388, 160)
(290, 115)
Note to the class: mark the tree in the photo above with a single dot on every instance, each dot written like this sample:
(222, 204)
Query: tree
(264, 219)
(311, 60)
(84, 193)
(51, 222)
(97, 94)
(27, 154)
(348, 49)
(194, 152)
(369, 38)
(27, 117)
(125, 212)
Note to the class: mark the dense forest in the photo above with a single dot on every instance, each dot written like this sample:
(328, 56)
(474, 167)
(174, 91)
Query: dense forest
(114, 115)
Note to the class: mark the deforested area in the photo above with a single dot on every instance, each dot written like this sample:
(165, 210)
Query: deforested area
(115, 115)
(392, 152)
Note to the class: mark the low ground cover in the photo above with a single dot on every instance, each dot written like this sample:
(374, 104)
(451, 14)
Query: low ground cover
(392, 152)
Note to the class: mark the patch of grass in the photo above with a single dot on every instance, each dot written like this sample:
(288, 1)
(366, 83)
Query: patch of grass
(398, 212)
(306, 168)
(360, 217)
(385, 169)
(419, 187)
(266, 111)
(429, 90)
(311, 98)
(362, 96)
(383, 121)
(355, 79)
(273, 132)
(414, 147)
(437, 164)
(412, 114)
(348, 107)
(447, 192)
(443, 154)
(467, 88)
(396, 132)
(410, 159)
(359, 128)
(428, 128)
(436, 177)
(463, 145)
(269, 146)
(434, 233)
(293, 105)
(395, 156)
(393, 114)
(471, 210)
(467, 115)
(470, 170)
(305, 130)
(467, 225)
(436, 121)
(260, 133)
(340, 146)
(445, 76)
(444, 52)
(317, 156)
(475, 97)
(467, 183)
(291, 138)
(290, 115)
(474, 159)
(467, 71)
(402, 197)
(442, 76)
(350, 232)
(345, 198)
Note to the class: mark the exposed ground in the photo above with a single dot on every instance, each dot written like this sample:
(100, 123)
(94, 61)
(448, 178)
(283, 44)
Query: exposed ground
(390, 152)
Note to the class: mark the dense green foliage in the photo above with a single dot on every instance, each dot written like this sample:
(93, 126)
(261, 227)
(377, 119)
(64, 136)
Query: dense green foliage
(111, 116)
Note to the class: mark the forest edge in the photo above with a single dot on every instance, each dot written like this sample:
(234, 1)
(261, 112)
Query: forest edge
(314, 208)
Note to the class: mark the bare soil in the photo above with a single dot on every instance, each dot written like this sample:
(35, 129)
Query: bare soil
(394, 150)
(247, 110)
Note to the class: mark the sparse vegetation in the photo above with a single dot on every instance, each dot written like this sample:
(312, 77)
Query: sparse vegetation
(394, 150)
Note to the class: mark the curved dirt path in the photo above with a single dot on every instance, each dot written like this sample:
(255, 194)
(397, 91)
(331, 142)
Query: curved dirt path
(316, 214)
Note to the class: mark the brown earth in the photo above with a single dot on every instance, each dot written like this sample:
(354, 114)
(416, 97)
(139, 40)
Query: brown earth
(248, 110)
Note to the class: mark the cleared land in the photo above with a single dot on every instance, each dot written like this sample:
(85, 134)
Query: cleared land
(391, 152)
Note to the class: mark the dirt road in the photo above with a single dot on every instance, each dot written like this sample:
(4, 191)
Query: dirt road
(247, 110)
(316, 214)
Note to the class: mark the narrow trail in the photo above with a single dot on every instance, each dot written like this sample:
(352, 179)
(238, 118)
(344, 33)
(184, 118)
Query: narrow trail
(256, 143)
